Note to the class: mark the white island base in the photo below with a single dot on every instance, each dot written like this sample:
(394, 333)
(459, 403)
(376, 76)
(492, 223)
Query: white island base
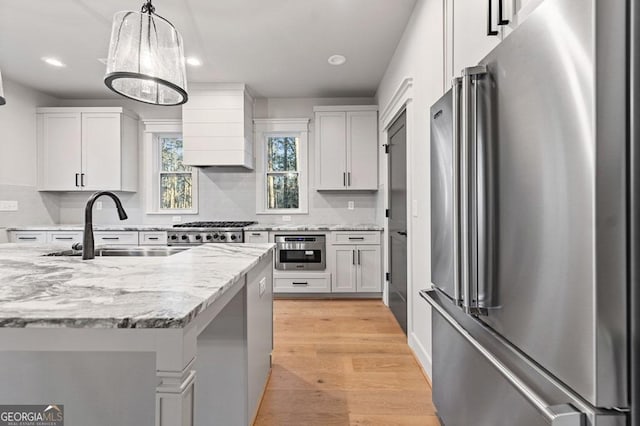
(211, 372)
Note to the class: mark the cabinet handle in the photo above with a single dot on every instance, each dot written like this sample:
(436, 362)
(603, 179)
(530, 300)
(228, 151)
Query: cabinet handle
(111, 238)
(344, 178)
(348, 178)
(64, 238)
(490, 30)
(356, 238)
(81, 179)
(358, 257)
(77, 176)
(501, 20)
(353, 257)
(256, 234)
(153, 238)
(27, 238)
(300, 283)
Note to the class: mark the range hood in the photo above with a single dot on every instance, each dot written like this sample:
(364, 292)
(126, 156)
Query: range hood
(217, 126)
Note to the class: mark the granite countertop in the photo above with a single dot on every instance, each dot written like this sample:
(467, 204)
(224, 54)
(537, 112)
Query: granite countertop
(80, 227)
(323, 227)
(117, 292)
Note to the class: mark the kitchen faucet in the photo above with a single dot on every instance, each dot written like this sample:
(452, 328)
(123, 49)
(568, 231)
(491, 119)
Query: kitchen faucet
(88, 248)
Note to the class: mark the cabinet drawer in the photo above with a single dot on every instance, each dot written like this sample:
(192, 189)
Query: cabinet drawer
(346, 237)
(308, 283)
(116, 238)
(64, 237)
(256, 237)
(28, 237)
(153, 238)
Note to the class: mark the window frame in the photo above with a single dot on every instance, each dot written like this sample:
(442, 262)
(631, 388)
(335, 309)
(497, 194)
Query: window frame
(266, 128)
(155, 130)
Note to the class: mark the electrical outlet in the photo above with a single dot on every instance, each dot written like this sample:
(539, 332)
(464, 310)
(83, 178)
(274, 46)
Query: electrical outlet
(176, 219)
(351, 205)
(286, 218)
(98, 205)
(263, 286)
(8, 206)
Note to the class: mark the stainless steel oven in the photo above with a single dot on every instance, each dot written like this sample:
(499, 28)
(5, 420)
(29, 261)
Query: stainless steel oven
(300, 252)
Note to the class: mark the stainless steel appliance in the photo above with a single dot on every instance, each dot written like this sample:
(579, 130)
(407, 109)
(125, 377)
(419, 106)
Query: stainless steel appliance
(300, 252)
(534, 225)
(196, 233)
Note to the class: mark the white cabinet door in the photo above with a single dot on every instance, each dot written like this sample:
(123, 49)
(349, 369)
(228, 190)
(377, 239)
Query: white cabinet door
(101, 151)
(344, 274)
(256, 237)
(69, 237)
(28, 237)
(362, 137)
(470, 40)
(59, 151)
(369, 269)
(331, 150)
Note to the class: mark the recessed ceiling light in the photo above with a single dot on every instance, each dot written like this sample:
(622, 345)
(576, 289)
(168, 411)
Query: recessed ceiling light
(337, 60)
(54, 62)
(194, 62)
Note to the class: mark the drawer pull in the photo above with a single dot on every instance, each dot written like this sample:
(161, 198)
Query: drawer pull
(356, 238)
(63, 238)
(300, 283)
(28, 238)
(153, 238)
(111, 238)
(256, 234)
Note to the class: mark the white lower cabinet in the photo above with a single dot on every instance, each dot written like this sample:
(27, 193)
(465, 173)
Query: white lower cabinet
(125, 238)
(256, 237)
(305, 282)
(152, 238)
(27, 237)
(70, 237)
(357, 269)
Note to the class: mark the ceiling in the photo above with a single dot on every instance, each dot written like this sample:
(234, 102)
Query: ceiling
(279, 48)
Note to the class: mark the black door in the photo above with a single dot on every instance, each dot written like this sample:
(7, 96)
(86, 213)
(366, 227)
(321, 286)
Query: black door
(398, 219)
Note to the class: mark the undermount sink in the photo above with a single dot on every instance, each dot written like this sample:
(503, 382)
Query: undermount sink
(125, 251)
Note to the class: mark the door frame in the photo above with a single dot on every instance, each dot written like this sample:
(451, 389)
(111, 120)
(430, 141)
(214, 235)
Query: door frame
(401, 101)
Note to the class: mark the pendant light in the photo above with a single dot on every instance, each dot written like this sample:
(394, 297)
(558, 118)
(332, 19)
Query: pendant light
(146, 58)
(2, 99)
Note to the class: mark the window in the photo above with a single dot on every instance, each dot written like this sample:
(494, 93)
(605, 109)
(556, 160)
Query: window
(283, 176)
(281, 166)
(176, 179)
(171, 186)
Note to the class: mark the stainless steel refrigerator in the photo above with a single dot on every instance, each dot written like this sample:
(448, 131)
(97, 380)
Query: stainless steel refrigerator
(534, 225)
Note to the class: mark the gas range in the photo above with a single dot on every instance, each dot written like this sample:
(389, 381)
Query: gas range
(196, 233)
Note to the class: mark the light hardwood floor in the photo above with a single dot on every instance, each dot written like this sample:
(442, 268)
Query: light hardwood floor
(343, 362)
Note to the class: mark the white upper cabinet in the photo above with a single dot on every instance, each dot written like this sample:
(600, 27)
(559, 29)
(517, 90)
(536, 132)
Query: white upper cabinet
(346, 139)
(217, 126)
(87, 149)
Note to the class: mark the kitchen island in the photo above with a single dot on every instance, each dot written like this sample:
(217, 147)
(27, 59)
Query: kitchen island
(165, 341)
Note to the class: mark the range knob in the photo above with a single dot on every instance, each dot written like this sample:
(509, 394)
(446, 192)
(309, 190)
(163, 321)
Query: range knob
(216, 236)
(223, 237)
(233, 238)
(209, 237)
(184, 237)
(198, 237)
(174, 237)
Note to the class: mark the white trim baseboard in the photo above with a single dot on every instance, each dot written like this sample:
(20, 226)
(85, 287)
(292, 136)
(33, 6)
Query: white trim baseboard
(422, 355)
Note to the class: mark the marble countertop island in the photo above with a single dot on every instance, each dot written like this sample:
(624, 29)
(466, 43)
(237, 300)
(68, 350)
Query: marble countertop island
(117, 292)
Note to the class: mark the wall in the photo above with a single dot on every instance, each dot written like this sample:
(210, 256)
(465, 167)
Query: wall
(228, 193)
(18, 173)
(419, 55)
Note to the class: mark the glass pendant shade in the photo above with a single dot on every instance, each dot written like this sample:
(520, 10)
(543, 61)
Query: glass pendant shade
(146, 58)
(2, 99)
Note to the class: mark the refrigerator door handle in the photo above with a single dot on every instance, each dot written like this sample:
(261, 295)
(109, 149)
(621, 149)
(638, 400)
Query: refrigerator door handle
(557, 415)
(456, 188)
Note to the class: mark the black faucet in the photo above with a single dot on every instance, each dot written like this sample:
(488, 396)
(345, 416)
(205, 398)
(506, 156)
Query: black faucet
(88, 248)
